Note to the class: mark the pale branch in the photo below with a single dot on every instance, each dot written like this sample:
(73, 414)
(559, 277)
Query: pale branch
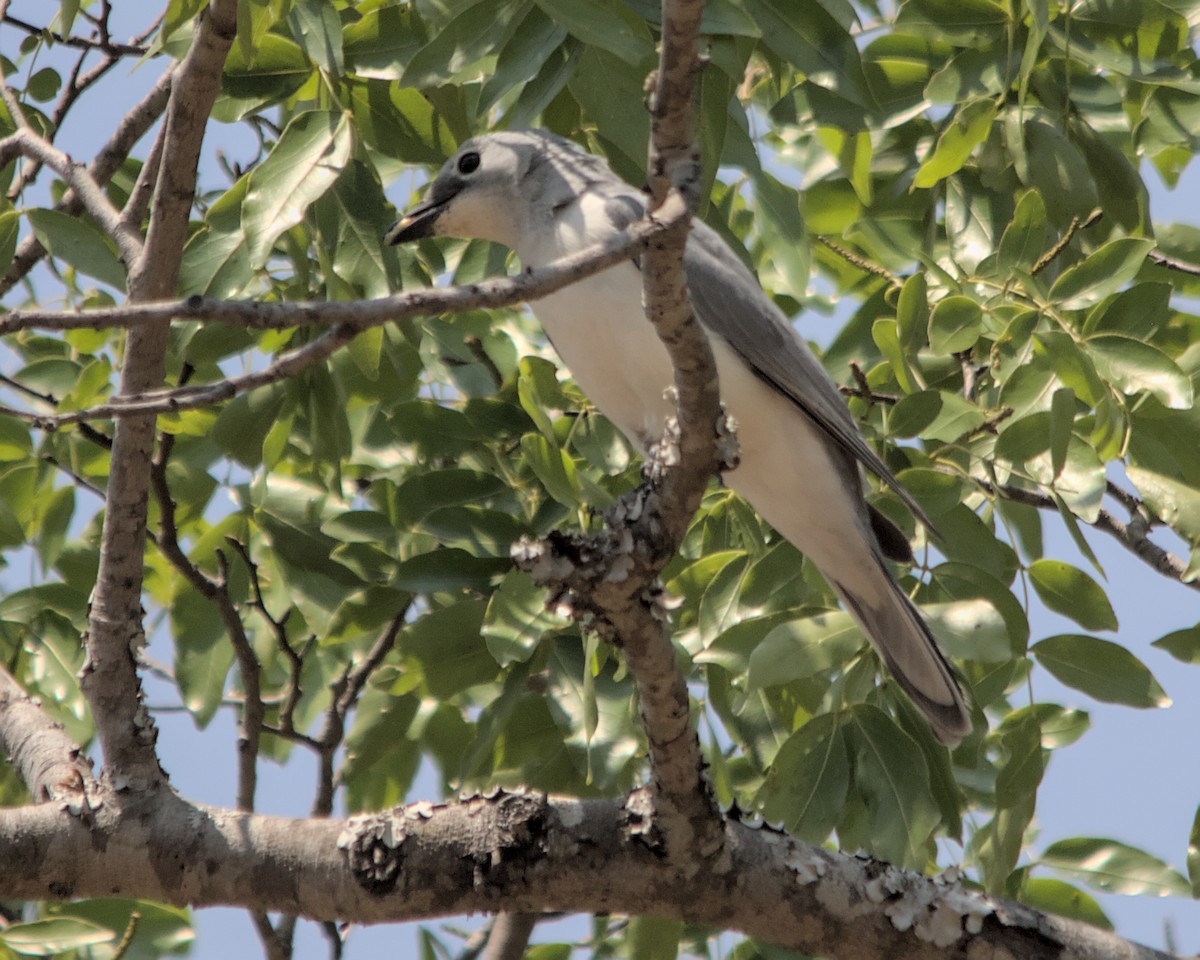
(110, 680)
(362, 314)
(128, 132)
(348, 317)
(684, 805)
(47, 760)
(509, 936)
(74, 87)
(1131, 535)
(142, 194)
(90, 194)
(524, 853)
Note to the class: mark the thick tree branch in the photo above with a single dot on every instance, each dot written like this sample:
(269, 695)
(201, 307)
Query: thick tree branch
(48, 761)
(110, 680)
(525, 853)
(614, 576)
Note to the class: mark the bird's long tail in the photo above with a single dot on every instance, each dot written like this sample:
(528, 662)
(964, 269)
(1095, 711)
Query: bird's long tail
(903, 639)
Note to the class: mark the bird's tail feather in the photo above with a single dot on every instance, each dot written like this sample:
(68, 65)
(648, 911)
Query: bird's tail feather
(902, 638)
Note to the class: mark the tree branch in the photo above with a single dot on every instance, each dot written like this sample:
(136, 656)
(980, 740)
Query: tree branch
(526, 853)
(348, 318)
(509, 936)
(109, 679)
(105, 44)
(1131, 535)
(48, 761)
(129, 131)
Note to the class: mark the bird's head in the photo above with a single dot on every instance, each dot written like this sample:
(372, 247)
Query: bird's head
(499, 186)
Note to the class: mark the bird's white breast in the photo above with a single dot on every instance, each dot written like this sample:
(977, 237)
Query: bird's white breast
(790, 471)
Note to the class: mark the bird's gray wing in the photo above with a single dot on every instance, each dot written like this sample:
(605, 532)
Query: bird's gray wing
(731, 304)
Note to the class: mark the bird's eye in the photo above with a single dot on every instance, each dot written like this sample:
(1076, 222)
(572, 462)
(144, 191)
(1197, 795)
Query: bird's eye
(468, 163)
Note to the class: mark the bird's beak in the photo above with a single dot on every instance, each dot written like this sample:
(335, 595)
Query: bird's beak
(417, 224)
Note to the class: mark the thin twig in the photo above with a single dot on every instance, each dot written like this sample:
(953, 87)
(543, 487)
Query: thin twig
(1150, 553)
(1073, 227)
(104, 44)
(857, 260)
(1171, 263)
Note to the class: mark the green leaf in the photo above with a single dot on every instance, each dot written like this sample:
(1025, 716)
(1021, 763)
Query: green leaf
(44, 84)
(802, 648)
(1103, 272)
(161, 928)
(1176, 503)
(517, 617)
(203, 654)
(1138, 312)
(243, 424)
(936, 491)
(553, 467)
(1024, 765)
(1058, 171)
(893, 780)
(1059, 726)
(912, 314)
(955, 324)
(654, 938)
(612, 96)
(805, 787)
(45, 938)
(965, 131)
(956, 418)
(604, 24)
(1183, 645)
(448, 645)
(80, 243)
(455, 45)
(914, 413)
(1133, 366)
(886, 336)
(1101, 669)
(523, 55)
(319, 29)
(15, 441)
(594, 715)
(305, 163)
(1068, 590)
(1063, 899)
(969, 629)
(1114, 867)
(277, 70)
(1024, 239)
(1062, 419)
(380, 44)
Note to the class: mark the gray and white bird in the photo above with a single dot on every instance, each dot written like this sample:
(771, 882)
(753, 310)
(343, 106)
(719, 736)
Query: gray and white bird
(545, 198)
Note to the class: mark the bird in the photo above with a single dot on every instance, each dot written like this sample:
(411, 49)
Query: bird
(801, 452)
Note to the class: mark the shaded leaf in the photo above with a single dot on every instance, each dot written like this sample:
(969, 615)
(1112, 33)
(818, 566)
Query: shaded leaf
(1068, 590)
(1101, 669)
